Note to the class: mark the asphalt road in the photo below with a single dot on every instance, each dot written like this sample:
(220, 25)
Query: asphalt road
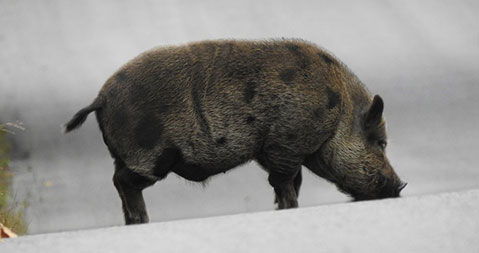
(432, 223)
(421, 56)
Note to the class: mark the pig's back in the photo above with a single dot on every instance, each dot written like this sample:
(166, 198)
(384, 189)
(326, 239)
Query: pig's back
(218, 102)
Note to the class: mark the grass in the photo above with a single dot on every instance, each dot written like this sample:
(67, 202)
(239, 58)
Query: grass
(11, 213)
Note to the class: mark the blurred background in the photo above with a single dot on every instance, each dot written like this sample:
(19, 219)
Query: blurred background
(420, 56)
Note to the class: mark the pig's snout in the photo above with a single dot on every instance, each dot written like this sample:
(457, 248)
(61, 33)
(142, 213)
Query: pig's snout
(386, 192)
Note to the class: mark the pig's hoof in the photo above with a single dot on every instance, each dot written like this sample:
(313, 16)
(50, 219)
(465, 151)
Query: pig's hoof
(136, 220)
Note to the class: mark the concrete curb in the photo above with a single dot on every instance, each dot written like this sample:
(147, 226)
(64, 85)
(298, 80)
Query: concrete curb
(447, 222)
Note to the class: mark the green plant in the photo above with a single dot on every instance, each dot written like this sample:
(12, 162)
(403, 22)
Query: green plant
(11, 214)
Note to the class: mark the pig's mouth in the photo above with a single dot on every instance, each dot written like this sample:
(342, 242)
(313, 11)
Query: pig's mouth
(363, 197)
(387, 191)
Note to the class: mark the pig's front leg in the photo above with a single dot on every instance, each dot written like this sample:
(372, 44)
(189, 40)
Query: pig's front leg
(285, 177)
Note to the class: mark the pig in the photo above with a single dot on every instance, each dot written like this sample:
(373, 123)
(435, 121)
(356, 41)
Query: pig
(206, 107)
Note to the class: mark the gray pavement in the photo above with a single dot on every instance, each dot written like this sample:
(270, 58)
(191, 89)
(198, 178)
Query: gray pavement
(421, 56)
(435, 223)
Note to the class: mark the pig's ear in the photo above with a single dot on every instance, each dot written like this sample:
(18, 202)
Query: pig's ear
(375, 112)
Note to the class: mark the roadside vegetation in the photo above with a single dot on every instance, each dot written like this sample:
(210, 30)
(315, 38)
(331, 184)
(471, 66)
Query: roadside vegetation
(11, 212)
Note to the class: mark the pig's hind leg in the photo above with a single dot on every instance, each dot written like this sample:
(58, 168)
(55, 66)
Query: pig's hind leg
(130, 185)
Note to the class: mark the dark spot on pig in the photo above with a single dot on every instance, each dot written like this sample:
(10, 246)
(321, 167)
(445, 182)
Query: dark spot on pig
(333, 98)
(249, 91)
(287, 76)
(250, 119)
(148, 131)
(301, 59)
(326, 58)
(293, 48)
(165, 162)
(221, 141)
(121, 76)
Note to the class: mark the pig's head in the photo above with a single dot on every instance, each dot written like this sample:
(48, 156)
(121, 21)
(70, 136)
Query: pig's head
(355, 158)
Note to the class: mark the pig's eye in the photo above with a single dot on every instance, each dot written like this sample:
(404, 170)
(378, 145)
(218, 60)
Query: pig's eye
(382, 144)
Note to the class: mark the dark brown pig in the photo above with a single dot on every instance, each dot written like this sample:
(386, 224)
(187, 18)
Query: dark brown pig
(206, 107)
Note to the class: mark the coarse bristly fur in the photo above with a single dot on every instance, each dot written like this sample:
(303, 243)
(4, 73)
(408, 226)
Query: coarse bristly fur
(206, 107)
